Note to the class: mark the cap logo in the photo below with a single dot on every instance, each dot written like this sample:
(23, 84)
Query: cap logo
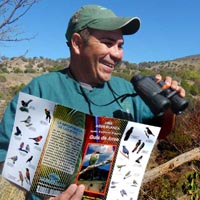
(76, 17)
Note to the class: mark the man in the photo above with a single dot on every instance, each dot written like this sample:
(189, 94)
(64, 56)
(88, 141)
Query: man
(95, 39)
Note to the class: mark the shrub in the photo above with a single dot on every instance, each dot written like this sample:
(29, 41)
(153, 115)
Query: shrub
(2, 79)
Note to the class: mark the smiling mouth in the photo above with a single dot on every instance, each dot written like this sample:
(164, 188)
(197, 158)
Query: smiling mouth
(108, 65)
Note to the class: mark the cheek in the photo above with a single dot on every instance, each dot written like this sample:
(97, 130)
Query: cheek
(122, 54)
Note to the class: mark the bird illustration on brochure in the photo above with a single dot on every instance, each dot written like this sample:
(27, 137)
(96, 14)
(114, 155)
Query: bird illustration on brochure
(52, 146)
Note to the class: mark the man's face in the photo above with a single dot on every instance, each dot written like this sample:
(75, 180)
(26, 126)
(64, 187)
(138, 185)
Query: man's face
(100, 55)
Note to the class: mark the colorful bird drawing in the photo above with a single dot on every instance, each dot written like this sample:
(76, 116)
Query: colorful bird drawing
(29, 159)
(48, 114)
(136, 145)
(128, 133)
(27, 177)
(21, 146)
(94, 157)
(21, 178)
(14, 159)
(37, 139)
(125, 151)
(18, 131)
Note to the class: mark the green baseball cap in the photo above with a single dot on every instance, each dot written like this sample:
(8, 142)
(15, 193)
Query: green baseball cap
(100, 18)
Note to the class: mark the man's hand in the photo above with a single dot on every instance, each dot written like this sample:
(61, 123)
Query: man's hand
(173, 84)
(73, 192)
(168, 119)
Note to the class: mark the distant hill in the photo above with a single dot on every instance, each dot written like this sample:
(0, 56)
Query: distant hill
(40, 65)
(30, 65)
(192, 61)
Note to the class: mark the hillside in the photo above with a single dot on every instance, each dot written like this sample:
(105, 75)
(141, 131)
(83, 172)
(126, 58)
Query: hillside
(16, 72)
(40, 65)
(30, 65)
(188, 61)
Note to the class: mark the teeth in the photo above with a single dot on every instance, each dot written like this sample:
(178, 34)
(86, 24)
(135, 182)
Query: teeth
(109, 65)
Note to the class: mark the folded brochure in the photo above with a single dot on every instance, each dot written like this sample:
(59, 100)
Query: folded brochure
(52, 146)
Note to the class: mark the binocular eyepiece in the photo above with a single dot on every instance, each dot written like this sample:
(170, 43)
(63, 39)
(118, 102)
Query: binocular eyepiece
(158, 96)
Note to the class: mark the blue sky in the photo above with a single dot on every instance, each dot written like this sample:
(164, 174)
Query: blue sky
(169, 29)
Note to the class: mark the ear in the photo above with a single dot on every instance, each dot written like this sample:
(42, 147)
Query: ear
(76, 42)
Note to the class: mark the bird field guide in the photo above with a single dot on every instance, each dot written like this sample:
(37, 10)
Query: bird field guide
(52, 146)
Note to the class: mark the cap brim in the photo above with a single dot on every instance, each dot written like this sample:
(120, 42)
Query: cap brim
(127, 25)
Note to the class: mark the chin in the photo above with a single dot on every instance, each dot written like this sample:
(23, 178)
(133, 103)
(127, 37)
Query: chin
(107, 79)
(104, 77)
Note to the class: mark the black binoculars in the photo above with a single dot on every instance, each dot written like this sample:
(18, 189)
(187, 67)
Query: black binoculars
(158, 96)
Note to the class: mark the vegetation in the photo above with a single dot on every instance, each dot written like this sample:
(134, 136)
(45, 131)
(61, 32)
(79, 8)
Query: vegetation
(183, 180)
(2, 78)
(191, 186)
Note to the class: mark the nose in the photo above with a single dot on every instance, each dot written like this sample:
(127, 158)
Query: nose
(116, 52)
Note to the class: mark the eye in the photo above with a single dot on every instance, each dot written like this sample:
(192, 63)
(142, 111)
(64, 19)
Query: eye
(120, 46)
(108, 43)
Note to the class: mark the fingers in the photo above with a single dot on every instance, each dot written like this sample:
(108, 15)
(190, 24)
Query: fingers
(173, 84)
(79, 193)
(73, 192)
(158, 77)
(67, 194)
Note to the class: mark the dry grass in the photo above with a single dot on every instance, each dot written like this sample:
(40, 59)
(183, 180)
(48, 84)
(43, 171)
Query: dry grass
(14, 79)
(10, 192)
